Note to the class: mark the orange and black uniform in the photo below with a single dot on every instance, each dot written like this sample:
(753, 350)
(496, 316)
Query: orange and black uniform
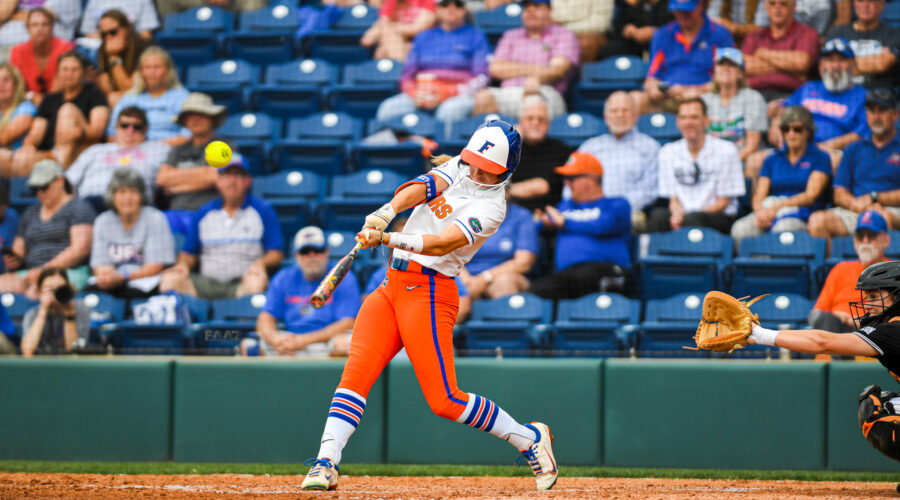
(879, 412)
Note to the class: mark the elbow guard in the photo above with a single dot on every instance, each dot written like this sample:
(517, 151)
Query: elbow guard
(430, 186)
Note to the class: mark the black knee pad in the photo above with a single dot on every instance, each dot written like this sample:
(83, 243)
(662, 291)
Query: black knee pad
(879, 423)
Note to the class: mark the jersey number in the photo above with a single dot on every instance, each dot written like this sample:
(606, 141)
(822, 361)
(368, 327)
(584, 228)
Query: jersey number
(440, 207)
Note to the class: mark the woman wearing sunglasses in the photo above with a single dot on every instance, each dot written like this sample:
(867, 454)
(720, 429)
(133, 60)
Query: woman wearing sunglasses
(37, 58)
(118, 55)
(791, 184)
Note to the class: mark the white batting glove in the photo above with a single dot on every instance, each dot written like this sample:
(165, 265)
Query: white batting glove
(381, 218)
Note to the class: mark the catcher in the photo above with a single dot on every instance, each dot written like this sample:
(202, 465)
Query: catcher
(876, 316)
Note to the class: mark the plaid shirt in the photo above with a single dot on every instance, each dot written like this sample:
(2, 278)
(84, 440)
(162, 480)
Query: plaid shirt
(556, 40)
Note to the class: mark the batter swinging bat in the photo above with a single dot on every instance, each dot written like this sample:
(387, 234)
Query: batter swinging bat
(333, 278)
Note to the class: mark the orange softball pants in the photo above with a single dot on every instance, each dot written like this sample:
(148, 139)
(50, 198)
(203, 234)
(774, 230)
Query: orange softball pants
(415, 311)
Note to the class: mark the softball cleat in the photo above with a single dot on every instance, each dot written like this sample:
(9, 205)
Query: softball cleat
(540, 456)
(322, 476)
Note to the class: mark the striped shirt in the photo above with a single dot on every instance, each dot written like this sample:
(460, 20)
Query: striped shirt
(45, 239)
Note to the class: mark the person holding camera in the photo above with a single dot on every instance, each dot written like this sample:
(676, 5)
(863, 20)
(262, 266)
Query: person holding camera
(59, 323)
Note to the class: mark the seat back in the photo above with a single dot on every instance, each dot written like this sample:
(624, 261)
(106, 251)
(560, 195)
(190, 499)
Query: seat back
(302, 72)
(684, 308)
(223, 73)
(293, 184)
(461, 130)
(366, 184)
(575, 128)
(356, 18)
(660, 126)
(520, 307)
(257, 126)
(329, 125)
(783, 311)
(791, 245)
(374, 72)
(692, 242)
(595, 307)
(616, 70)
(244, 309)
(417, 123)
(269, 19)
(199, 20)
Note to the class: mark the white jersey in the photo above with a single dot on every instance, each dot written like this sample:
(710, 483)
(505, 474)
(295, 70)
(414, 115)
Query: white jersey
(477, 211)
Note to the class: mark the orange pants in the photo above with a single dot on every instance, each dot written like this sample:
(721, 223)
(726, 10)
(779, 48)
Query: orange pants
(415, 311)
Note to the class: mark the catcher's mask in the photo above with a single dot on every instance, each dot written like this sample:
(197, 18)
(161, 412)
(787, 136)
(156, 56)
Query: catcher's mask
(883, 276)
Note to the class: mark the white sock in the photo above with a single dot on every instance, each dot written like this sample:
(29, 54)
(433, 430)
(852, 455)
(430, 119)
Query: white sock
(484, 414)
(344, 415)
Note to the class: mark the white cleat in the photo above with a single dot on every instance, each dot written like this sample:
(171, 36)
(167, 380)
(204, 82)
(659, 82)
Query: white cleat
(322, 476)
(540, 456)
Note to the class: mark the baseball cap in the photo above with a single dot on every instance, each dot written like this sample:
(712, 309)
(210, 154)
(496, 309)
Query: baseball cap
(731, 55)
(683, 5)
(44, 172)
(237, 161)
(309, 237)
(579, 164)
(872, 221)
(837, 46)
(494, 147)
(883, 97)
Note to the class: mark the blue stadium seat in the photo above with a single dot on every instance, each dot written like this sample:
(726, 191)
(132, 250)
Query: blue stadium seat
(670, 324)
(340, 242)
(602, 78)
(20, 195)
(16, 306)
(105, 309)
(294, 195)
(777, 262)
(156, 339)
(575, 128)
(228, 81)
(404, 158)
(356, 18)
(199, 20)
(232, 320)
(461, 130)
(891, 14)
(417, 123)
(294, 88)
(337, 46)
(365, 86)
(319, 143)
(353, 196)
(505, 323)
(265, 36)
(686, 259)
(498, 21)
(660, 126)
(251, 133)
(598, 322)
(193, 36)
(374, 72)
(783, 311)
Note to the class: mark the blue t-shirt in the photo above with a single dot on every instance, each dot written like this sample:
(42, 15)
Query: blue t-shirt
(160, 112)
(677, 61)
(8, 230)
(464, 49)
(788, 180)
(287, 299)
(517, 232)
(24, 108)
(6, 324)
(379, 274)
(595, 231)
(865, 168)
(833, 114)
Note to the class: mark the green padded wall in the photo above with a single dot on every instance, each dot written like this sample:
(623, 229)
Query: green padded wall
(564, 394)
(271, 411)
(73, 409)
(847, 448)
(727, 415)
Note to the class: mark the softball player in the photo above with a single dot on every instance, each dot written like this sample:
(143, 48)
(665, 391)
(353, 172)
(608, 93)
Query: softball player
(878, 335)
(458, 205)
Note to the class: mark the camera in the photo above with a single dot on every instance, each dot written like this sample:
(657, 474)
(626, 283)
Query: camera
(64, 294)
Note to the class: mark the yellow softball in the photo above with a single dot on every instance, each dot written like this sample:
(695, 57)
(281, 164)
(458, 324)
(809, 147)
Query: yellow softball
(218, 154)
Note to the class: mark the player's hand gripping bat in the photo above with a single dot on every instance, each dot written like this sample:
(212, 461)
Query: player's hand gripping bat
(334, 277)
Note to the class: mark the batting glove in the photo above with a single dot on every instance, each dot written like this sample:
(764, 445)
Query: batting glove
(381, 218)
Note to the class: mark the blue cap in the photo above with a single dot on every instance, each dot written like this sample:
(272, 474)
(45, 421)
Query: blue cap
(871, 220)
(730, 54)
(683, 5)
(837, 46)
(237, 160)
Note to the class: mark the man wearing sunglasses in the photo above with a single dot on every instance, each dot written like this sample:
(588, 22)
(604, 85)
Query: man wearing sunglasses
(92, 171)
(307, 331)
(875, 44)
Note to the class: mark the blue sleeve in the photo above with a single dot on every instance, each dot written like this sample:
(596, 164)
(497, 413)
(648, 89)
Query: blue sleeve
(859, 124)
(844, 176)
(375, 280)
(275, 295)
(461, 288)
(724, 38)
(822, 163)
(794, 99)
(346, 298)
(481, 53)
(527, 235)
(192, 239)
(614, 219)
(25, 108)
(6, 324)
(766, 170)
(272, 237)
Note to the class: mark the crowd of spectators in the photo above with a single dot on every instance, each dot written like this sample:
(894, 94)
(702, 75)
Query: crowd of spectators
(790, 105)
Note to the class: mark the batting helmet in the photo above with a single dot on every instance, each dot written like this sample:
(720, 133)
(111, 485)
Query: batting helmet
(880, 276)
(494, 147)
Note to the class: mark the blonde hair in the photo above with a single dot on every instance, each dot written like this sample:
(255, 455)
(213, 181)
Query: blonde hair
(440, 159)
(18, 93)
(172, 81)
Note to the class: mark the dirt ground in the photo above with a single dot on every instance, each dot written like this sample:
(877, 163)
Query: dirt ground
(226, 486)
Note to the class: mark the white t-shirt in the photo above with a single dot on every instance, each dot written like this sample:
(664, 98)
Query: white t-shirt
(477, 211)
(697, 184)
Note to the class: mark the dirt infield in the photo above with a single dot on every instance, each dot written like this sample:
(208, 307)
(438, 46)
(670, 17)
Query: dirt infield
(219, 486)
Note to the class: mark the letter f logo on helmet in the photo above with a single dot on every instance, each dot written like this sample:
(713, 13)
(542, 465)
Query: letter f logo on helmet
(484, 147)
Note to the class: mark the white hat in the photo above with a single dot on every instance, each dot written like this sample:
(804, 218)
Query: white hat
(489, 148)
(309, 237)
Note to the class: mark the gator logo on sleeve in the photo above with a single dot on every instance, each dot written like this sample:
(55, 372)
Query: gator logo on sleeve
(475, 224)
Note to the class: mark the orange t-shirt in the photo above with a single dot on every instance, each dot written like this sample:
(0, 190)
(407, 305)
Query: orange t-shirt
(840, 287)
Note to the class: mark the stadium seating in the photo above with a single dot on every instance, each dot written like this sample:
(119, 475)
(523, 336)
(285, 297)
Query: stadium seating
(498, 21)
(504, 324)
(777, 262)
(16, 306)
(660, 126)
(318, 143)
(294, 195)
(251, 133)
(669, 325)
(685, 259)
(575, 128)
(602, 78)
(295, 88)
(596, 324)
(231, 321)
(20, 195)
(891, 14)
(417, 123)
(228, 81)
(265, 36)
(365, 86)
(783, 311)
(194, 36)
(353, 196)
(357, 18)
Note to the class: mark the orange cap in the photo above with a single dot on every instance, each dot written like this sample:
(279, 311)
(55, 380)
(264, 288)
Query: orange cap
(580, 163)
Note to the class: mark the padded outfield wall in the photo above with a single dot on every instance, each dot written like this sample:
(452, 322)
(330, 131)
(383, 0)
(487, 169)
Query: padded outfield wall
(634, 413)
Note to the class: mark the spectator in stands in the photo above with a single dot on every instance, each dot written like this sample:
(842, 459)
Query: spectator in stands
(117, 59)
(14, 18)
(593, 234)
(699, 174)
(37, 57)
(55, 326)
(56, 232)
(680, 69)
(501, 264)
(185, 176)
(539, 58)
(536, 183)
(590, 21)
(309, 331)
(792, 182)
(16, 115)
(735, 15)
(92, 171)
(444, 69)
(737, 113)
(132, 241)
(157, 91)
(780, 56)
(875, 44)
(816, 14)
(399, 21)
(166, 7)
(832, 310)
(868, 177)
(68, 121)
(141, 13)
(629, 158)
(634, 24)
(233, 242)
(9, 221)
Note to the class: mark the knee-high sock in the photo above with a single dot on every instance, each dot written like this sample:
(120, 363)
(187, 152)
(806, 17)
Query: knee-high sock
(346, 410)
(484, 414)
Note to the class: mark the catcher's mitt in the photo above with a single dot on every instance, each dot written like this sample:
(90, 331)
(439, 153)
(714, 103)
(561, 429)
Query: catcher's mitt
(726, 322)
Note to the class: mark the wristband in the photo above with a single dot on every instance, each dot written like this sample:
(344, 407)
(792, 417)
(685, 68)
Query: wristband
(408, 242)
(126, 275)
(763, 336)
